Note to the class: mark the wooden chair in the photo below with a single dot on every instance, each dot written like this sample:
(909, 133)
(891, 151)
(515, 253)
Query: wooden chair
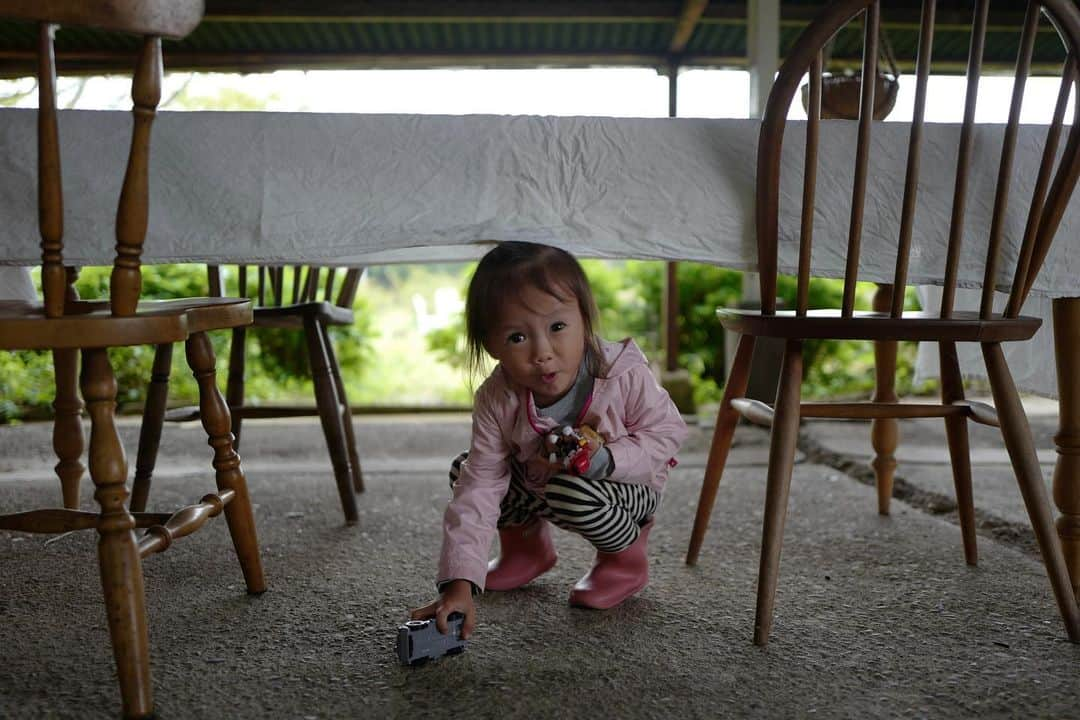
(68, 326)
(309, 301)
(947, 327)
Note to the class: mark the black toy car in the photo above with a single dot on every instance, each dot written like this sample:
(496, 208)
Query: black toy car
(419, 640)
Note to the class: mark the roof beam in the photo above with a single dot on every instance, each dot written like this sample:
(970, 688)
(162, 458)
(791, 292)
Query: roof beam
(15, 63)
(684, 26)
(949, 16)
(475, 11)
(910, 16)
(22, 63)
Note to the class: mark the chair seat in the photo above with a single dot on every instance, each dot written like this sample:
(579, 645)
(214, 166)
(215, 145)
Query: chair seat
(292, 316)
(89, 324)
(961, 327)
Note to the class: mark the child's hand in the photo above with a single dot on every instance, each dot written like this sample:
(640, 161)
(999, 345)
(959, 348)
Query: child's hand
(595, 442)
(457, 597)
(571, 448)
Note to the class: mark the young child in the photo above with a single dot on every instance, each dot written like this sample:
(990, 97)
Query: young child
(530, 308)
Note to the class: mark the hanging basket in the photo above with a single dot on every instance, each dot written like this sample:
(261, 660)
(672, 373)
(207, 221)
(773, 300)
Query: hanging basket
(840, 92)
(840, 96)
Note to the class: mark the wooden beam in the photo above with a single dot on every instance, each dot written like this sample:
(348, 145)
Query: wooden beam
(20, 63)
(907, 15)
(684, 26)
(437, 10)
(16, 63)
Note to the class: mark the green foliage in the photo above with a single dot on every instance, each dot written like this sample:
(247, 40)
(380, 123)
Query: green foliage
(276, 366)
(26, 380)
(27, 384)
(702, 289)
(630, 298)
(447, 344)
(12, 91)
(400, 363)
(407, 371)
(845, 368)
(132, 364)
(225, 98)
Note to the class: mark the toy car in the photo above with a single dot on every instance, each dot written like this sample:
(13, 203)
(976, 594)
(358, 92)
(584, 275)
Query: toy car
(419, 640)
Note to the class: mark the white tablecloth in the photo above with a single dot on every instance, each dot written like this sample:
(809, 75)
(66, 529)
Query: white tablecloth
(331, 188)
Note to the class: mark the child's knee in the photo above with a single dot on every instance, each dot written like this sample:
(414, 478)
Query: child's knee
(568, 495)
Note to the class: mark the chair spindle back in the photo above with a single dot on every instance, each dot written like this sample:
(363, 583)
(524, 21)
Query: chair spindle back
(1053, 186)
(307, 282)
(50, 192)
(151, 19)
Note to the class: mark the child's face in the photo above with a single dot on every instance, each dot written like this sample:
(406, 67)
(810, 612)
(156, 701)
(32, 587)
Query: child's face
(540, 341)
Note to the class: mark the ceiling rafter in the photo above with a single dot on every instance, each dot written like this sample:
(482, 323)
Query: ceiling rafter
(685, 25)
(949, 15)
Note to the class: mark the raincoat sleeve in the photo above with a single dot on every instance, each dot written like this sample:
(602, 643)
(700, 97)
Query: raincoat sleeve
(470, 520)
(655, 429)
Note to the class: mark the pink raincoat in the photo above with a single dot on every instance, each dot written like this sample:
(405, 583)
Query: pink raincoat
(636, 418)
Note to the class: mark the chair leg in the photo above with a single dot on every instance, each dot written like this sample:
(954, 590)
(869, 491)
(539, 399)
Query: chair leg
(1017, 435)
(956, 432)
(784, 437)
(234, 384)
(884, 432)
(214, 413)
(118, 554)
(346, 412)
(157, 395)
(726, 420)
(68, 441)
(1066, 482)
(326, 398)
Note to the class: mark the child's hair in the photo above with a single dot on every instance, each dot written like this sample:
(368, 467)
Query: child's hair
(503, 272)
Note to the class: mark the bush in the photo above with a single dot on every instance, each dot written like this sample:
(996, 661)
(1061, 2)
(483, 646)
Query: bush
(276, 364)
(630, 296)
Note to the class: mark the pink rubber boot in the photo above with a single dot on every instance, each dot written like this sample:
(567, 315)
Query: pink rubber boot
(615, 576)
(525, 553)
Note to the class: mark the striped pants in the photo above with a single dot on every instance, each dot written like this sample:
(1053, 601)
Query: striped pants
(606, 513)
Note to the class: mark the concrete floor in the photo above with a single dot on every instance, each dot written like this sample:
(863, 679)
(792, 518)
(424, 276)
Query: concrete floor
(875, 616)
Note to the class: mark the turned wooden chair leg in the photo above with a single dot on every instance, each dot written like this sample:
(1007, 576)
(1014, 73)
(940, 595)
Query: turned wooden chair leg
(326, 397)
(1067, 439)
(214, 413)
(956, 432)
(726, 420)
(346, 412)
(782, 444)
(157, 396)
(67, 437)
(118, 554)
(234, 384)
(1017, 435)
(884, 432)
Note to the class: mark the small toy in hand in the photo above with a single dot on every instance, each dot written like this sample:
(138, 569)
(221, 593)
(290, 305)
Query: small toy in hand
(570, 447)
(420, 640)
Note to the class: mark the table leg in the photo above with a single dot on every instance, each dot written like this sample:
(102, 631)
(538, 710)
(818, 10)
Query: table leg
(1067, 440)
(884, 432)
